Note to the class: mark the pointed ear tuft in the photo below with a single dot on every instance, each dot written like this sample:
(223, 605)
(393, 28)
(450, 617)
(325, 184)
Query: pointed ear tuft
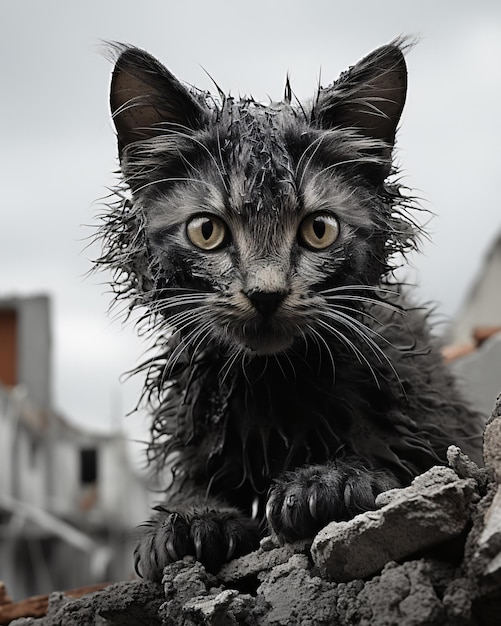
(369, 97)
(145, 98)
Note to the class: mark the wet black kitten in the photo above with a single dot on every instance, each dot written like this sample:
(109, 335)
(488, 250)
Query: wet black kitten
(292, 382)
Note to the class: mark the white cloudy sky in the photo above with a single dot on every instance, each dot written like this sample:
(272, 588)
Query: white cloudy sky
(57, 147)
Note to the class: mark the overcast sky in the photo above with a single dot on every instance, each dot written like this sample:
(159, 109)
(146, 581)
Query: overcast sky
(57, 146)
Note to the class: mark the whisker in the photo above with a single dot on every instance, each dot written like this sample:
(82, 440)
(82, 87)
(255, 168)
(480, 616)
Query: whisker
(358, 353)
(358, 328)
(226, 368)
(176, 179)
(318, 142)
(287, 357)
(321, 338)
(333, 166)
(277, 360)
(205, 149)
(364, 332)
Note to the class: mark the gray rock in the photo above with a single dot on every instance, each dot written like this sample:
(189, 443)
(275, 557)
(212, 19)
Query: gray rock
(434, 509)
(120, 604)
(295, 597)
(466, 468)
(402, 594)
(262, 560)
(492, 442)
(212, 610)
(279, 586)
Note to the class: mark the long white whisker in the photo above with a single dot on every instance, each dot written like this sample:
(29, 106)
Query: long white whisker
(338, 164)
(206, 149)
(287, 357)
(318, 141)
(358, 353)
(321, 338)
(366, 300)
(277, 360)
(226, 368)
(184, 343)
(358, 328)
(178, 179)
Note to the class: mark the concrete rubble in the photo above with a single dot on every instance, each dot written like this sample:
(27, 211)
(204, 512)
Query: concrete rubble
(430, 555)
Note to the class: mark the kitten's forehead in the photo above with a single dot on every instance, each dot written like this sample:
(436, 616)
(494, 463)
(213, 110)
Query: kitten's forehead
(253, 148)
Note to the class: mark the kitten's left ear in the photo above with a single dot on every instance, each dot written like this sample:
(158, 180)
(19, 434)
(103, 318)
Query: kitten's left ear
(145, 98)
(369, 97)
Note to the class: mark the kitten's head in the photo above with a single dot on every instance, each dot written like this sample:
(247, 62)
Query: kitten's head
(244, 222)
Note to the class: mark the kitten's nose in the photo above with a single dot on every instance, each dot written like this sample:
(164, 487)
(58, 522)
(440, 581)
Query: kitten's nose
(266, 302)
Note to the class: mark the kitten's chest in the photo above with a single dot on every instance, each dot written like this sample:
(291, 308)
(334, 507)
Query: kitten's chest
(271, 424)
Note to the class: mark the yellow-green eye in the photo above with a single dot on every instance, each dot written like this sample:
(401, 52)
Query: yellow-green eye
(207, 232)
(318, 231)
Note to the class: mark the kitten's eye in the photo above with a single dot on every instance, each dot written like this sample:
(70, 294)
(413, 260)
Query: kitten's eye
(207, 232)
(318, 231)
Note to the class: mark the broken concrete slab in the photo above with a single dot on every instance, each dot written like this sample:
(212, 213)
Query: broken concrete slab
(280, 586)
(120, 604)
(434, 509)
(466, 468)
(262, 560)
(289, 588)
(492, 442)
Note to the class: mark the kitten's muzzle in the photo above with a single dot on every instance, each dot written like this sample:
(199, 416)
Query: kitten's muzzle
(266, 302)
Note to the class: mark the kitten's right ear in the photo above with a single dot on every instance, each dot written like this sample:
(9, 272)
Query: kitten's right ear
(146, 99)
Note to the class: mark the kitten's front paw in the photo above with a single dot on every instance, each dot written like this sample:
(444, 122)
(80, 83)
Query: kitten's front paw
(304, 501)
(211, 536)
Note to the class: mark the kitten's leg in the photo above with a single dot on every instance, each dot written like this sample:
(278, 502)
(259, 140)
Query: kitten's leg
(303, 501)
(206, 529)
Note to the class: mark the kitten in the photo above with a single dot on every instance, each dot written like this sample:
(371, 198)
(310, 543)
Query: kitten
(292, 382)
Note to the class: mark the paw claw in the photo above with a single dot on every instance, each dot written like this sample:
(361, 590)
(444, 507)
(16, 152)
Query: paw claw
(137, 559)
(198, 548)
(290, 500)
(269, 509)
(312, 505)
(231, 548)
(171, 550)
(347, 495)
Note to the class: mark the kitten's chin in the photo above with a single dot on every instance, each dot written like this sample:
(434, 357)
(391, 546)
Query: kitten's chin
(262, 340)
(268, 346)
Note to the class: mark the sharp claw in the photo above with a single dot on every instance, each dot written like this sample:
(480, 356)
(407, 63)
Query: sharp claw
(172, 519)
(269, 509)
(198, 548)
(231, 548)
(255, 507)
(171, 550)
(348, 492)
(153, 556)
(290, 501)
(137, 558)
(312, 505)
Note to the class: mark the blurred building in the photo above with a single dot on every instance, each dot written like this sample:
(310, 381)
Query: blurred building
(474, 349)
(69, 499)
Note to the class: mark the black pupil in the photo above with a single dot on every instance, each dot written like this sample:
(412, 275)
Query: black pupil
(207, 229)
(319, 227)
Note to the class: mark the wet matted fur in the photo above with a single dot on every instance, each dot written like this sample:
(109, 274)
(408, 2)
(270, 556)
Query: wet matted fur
(292, 380)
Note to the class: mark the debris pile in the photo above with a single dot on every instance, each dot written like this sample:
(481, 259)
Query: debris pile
(430, 554)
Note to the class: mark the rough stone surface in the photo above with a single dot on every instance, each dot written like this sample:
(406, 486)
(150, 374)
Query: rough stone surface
(264, 559)
(398, 566)
(434, 509)
(466, 468)
(124, 604)
(492, 442)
